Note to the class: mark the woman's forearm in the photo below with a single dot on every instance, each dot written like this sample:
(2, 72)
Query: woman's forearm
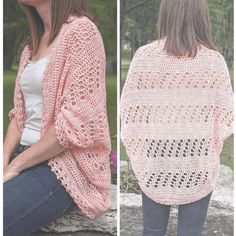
(46, 148)
(12, 138)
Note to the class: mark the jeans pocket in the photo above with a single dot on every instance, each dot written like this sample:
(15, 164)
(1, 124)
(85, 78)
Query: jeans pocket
(70, 205)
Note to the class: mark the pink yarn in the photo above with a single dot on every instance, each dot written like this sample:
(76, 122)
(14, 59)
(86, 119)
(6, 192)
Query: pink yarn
(74, 99)
(175, 115)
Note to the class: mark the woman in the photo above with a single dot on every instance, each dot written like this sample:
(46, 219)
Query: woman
(56, 150)
(176, 112)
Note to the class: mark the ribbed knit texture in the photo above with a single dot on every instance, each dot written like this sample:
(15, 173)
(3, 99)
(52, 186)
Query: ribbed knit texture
(74, 100)
(175, 115)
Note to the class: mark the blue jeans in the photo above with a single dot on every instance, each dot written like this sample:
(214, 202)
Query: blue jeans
(33, 199)
(191, 217)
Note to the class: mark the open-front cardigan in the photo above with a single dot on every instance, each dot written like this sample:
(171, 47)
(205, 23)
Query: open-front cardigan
(74, 100)
(175, 115)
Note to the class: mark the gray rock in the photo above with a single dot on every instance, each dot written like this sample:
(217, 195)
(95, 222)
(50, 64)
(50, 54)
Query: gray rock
(75, 221)
(78, 233)
(220, 213)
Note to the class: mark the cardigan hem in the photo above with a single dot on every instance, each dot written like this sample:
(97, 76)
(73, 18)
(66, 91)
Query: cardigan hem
(178, 202)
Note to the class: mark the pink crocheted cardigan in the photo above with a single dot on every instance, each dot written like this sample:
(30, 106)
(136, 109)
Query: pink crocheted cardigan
(74, 100)
(175, 115)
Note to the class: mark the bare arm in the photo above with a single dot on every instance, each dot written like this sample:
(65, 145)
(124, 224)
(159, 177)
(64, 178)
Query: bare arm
(46, 148)
(11, 140)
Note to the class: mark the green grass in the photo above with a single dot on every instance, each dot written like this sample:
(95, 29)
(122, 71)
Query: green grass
(9, 83)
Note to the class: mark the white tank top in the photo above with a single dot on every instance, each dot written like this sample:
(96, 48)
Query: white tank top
(31, 86)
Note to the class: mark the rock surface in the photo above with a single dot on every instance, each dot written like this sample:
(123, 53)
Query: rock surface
(79, 233)
(75, 223)
(220, 213)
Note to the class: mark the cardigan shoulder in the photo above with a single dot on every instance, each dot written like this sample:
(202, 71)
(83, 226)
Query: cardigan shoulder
(219, 60)
(150, 51)
(81, 20)
(83, 32)
(148, 48)
(206, 59)
(156, 46)
(83, 27)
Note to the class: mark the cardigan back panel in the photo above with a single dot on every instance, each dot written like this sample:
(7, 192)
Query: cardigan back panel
(175, 115)
(74, 100)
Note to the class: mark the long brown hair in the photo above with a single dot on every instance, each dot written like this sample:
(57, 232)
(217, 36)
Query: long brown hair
(186, 25)
(60, 10)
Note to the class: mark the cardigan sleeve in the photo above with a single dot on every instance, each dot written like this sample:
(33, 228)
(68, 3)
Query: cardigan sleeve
(82, 118)
(224, 103)
(12, 111)
(129, 86)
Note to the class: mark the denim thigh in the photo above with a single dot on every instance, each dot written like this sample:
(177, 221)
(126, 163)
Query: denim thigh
(33, 199)
(191, 217)
(155, 217)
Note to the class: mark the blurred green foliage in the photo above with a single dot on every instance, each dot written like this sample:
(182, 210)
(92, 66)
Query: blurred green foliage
(16, 30)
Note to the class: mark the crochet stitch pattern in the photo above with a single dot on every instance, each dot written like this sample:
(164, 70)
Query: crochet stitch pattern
(175, 115)
(74, 100)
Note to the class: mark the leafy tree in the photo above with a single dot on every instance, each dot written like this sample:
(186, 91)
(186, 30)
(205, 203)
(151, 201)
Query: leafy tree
(222, 13)
(138, 22)
(105, 15)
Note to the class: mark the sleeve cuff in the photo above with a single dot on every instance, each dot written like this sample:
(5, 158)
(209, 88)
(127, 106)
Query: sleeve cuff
(60, 131)
(11, 113)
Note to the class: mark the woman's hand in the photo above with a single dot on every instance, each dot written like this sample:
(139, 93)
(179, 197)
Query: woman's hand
(44, 149)
(10, 172)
